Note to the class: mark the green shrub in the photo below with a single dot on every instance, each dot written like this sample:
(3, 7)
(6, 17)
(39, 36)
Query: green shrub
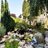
(21, 26)
(40, 27)
(27, 37)
(12, 44)
(2, 31)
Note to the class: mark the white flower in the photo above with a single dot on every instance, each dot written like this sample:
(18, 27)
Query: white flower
(46, 39)
(22, 35)
(31, 35)
(19, 35)
(3, 39)
(9, 33)
(17, 40)
(26, 33)
(5, 36)
(19, 47)
(9, 37)
(12, 31)
(11, 40)
(21, 43)
(16, 34)
(15, 30)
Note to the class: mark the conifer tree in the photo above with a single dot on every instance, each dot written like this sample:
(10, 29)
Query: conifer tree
(26, 8)
(6, 20)
(2, 8)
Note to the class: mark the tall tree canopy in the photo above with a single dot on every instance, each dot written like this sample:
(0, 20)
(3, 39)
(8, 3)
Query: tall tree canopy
(38, 7)
(34, 7)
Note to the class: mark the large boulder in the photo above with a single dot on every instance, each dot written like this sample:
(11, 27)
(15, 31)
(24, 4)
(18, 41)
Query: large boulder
(46, 33)
(39, 46)
(39, 37)
(46, 40)
(46, 46)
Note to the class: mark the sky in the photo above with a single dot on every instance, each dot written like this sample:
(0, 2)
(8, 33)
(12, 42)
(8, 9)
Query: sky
(15, 6)
(0, 9)
(0, 4)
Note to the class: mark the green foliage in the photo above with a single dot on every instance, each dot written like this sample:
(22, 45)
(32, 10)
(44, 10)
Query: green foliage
(0, 24)
(46, 4)
(22, 26)
(37, 7)
(27, 37)
(26, 8)
(2, 31)
(33, 7)
(13, 44)
(2, 6)
(8, 21)
(6, 5)
(40, 27)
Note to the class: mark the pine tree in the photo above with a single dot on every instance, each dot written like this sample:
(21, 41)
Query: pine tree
(2, 8)
(6, 6)
(6, 20)
(47, 4)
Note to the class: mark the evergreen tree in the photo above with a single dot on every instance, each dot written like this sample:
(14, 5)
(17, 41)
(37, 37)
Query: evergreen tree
(6, 6)
(47, 4)
(32, 8)
(6, 20)
(26, 8)
(37, 7)
(2, 8)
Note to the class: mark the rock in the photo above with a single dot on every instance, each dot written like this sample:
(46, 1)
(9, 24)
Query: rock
(28, 46)
(46, 40)
(2, 46)
(46, 46)
(39, 37)
(34, 41)
(46, 33)
(39, 46)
